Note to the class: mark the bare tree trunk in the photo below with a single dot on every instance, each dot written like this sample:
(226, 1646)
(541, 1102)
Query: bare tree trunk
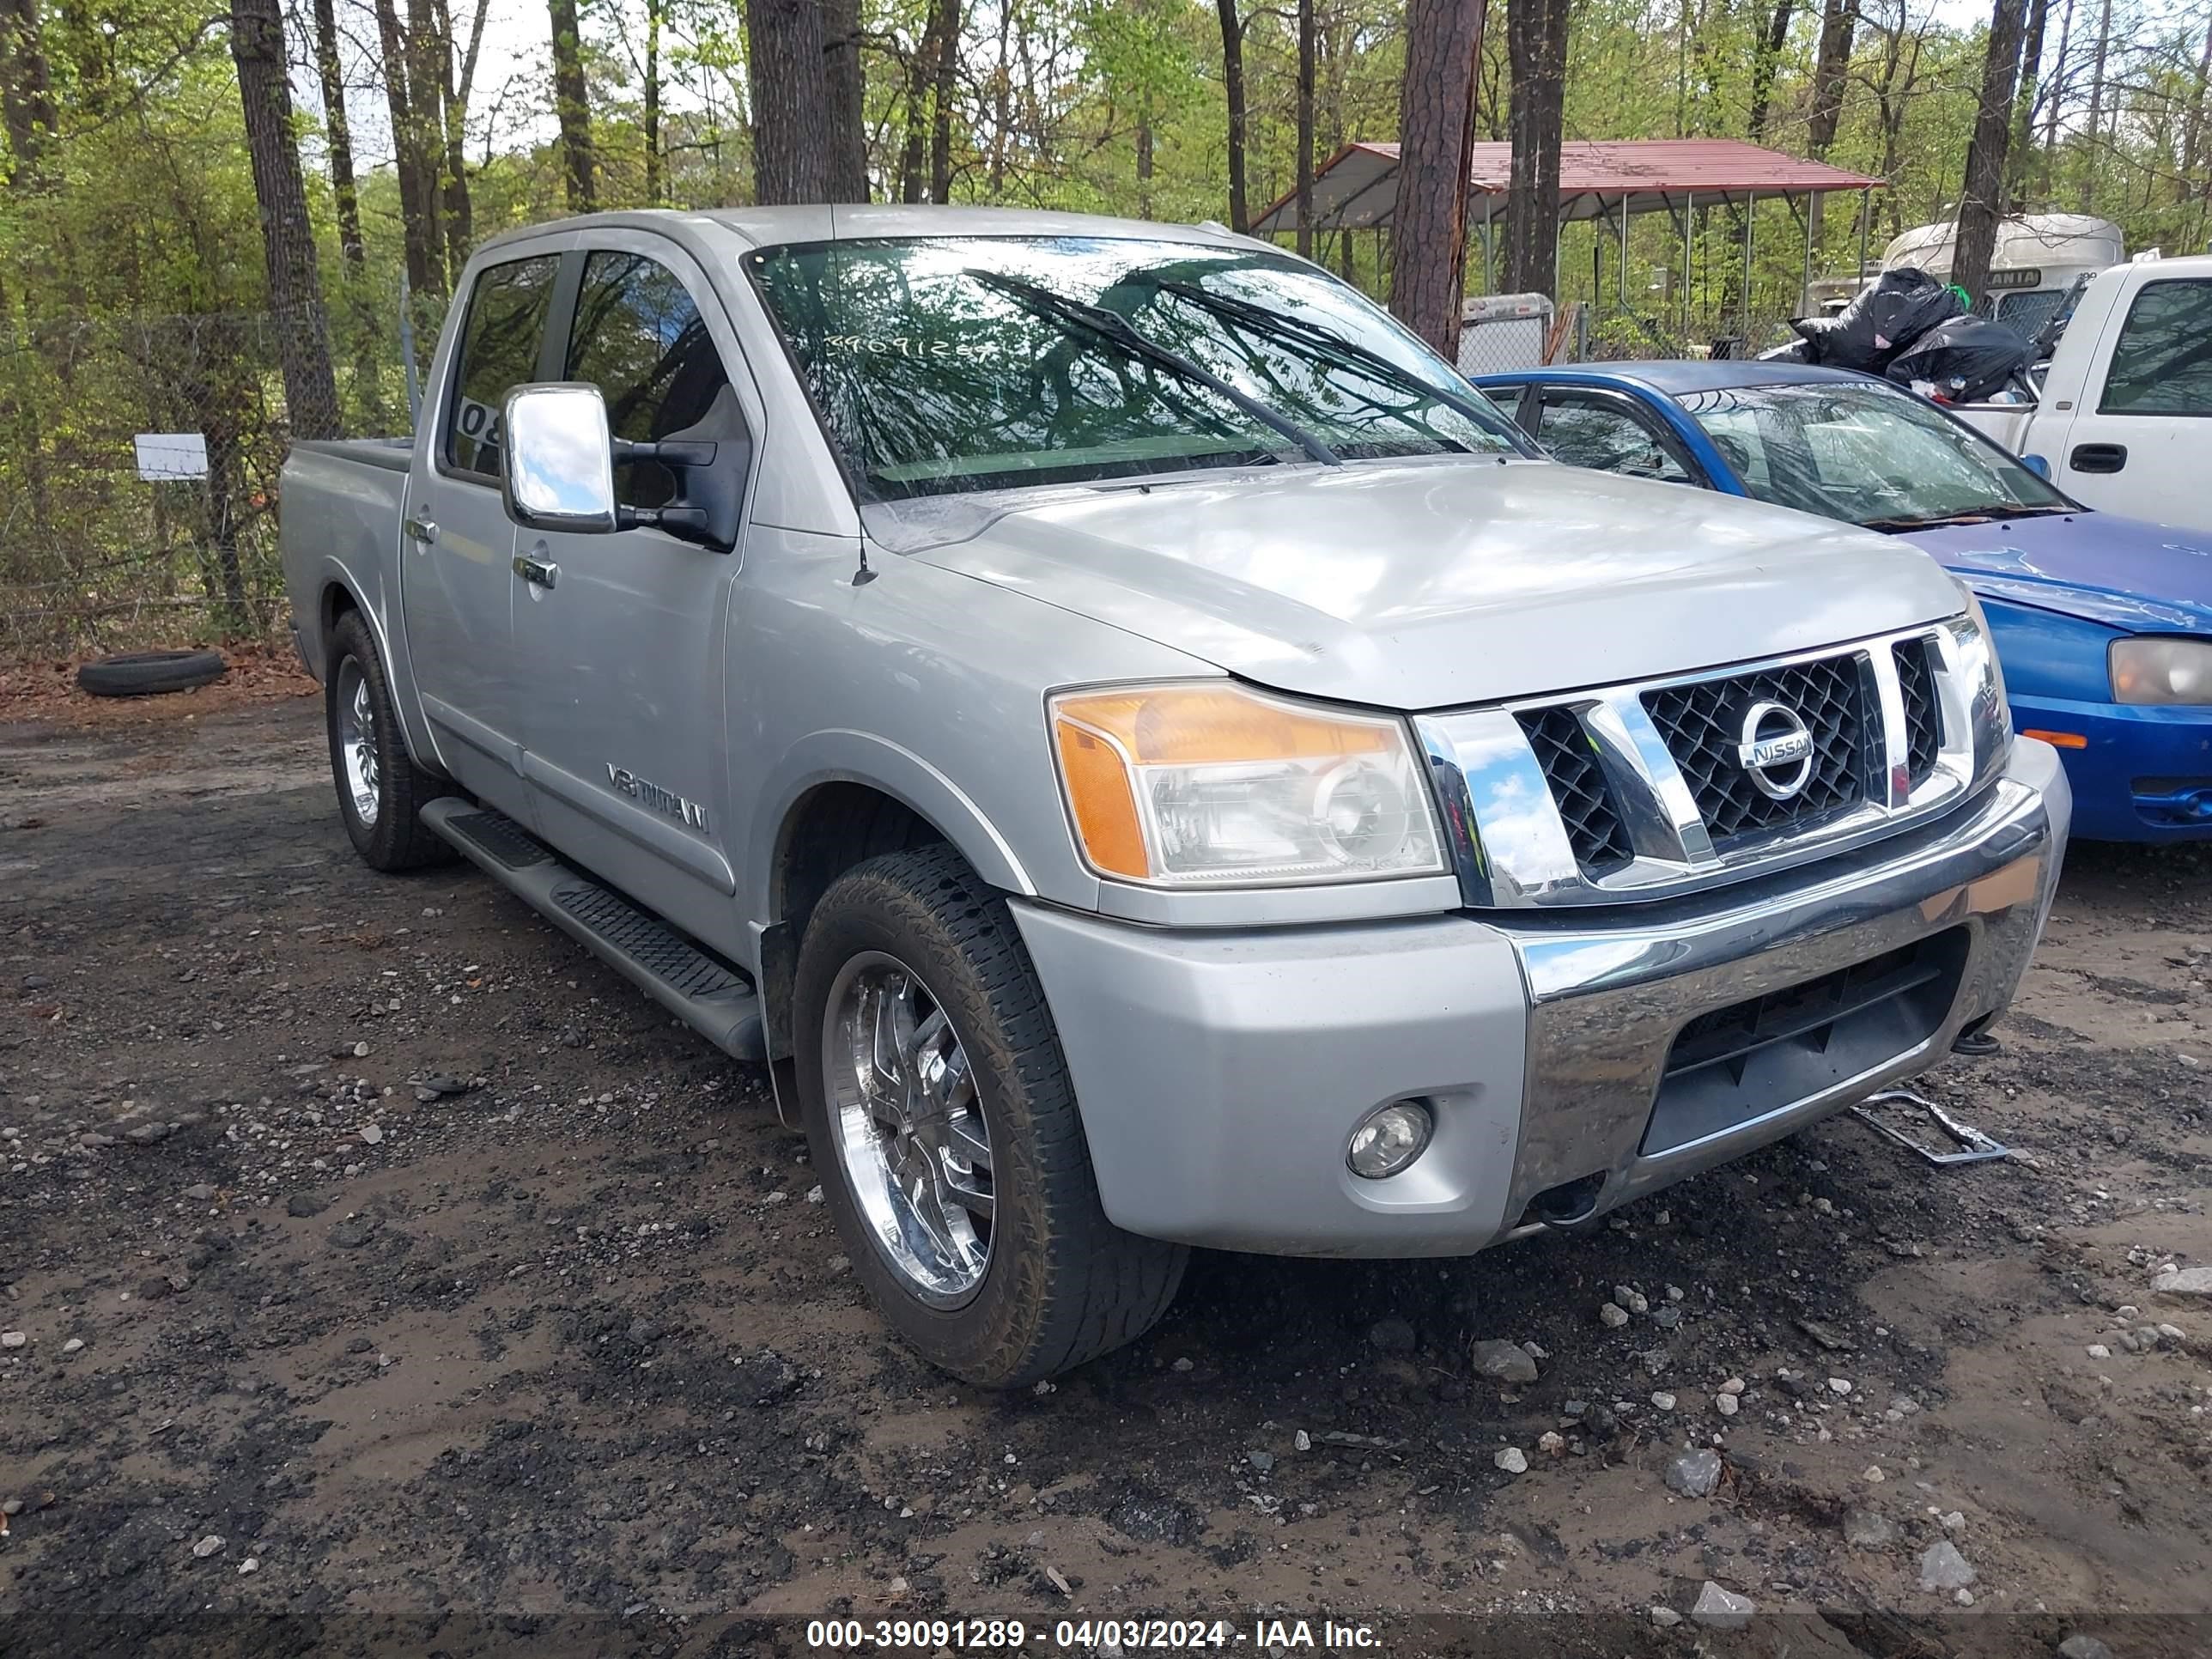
(791, 101)
(572, 104)
(1145, 152)
(451, 143)
(2200, 109)
(461, 219)
(1536, 42)
(2095, 148)
(426, 93)
(288, 241)
(1982, 202)
(1232, 82)
(27, 101)
(1763, 64)
(846, 76)
(1831, 60)
(949, 28)
(1436, 125)
(650, 118)
(917, 94)
(1306, 46)
(2022, 156)
(338, 137)
(2047, 162)
(425, 270)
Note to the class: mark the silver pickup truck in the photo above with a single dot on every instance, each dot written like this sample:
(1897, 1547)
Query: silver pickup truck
(1147, 756)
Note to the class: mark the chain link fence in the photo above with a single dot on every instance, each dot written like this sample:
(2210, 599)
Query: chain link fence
(108, 541)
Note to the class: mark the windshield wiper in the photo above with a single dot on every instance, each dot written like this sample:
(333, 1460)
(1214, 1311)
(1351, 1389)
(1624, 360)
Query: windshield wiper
(1297, 331)
(1963, 515)
(1114, 328)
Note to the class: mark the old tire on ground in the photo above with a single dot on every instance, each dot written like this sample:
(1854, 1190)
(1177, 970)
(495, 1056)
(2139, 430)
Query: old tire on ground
(380, 789)
(943, 1127)
(150, 674)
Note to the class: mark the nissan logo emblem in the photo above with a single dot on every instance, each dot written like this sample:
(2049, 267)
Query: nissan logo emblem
(1777, 751)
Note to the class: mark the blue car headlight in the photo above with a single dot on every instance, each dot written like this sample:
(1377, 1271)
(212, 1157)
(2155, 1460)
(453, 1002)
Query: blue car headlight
(2151, 670)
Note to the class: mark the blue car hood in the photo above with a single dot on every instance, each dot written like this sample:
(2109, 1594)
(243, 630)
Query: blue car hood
(2125, 573)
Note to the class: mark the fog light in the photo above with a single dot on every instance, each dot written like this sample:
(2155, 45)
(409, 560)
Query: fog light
(1388, 1138)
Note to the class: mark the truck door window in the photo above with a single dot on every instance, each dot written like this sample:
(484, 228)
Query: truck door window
(499, 352)
(1583, 429)
(2162, 364)
(639, 337)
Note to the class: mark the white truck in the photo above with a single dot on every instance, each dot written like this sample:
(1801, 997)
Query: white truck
(2124, 422)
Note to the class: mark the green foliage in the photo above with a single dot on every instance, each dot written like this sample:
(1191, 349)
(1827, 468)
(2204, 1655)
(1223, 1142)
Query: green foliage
(131, 272)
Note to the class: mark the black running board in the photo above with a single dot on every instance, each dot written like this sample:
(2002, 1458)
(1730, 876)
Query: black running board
(705, 992)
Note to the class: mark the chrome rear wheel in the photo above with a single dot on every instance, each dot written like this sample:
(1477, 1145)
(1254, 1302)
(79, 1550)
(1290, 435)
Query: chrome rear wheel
(356, 741)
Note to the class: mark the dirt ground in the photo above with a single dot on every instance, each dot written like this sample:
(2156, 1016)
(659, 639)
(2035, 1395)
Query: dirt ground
(559, 1352)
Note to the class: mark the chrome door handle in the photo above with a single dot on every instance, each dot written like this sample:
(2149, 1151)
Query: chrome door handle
(536, 571)
(421, 530)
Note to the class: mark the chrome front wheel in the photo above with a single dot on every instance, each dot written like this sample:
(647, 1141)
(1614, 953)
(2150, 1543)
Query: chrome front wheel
(908, 1129)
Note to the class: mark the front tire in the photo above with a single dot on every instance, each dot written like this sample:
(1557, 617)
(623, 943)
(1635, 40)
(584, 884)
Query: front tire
(944, 1124)
(380, 788)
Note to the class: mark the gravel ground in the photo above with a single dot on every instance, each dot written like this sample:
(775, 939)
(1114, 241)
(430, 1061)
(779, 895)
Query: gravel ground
(376, 1260)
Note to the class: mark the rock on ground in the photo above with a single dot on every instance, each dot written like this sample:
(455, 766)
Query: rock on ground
(1695, 1473)
(1943, 1568)
(1502, 1362)
(1869, 1529)
(1721, 1609)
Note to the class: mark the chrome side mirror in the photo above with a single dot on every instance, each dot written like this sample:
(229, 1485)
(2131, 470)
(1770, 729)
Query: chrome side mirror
(557, 459)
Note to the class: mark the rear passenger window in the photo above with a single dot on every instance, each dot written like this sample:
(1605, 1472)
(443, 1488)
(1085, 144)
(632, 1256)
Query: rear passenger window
(499, 352)
(2162, 364)
(639, 339)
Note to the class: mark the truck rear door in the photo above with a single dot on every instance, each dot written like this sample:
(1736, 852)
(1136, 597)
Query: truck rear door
(457, 579)
(2141, 438)
(620, 638)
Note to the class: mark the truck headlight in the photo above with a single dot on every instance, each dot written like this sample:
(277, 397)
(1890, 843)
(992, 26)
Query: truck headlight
(2161, 671)
(1210, 785)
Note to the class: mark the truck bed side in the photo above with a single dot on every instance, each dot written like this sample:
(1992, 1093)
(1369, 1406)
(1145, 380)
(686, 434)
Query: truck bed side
(340, 540)
(341, 529)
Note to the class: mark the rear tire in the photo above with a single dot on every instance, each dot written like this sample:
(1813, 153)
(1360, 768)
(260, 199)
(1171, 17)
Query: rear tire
(380, 788)
(1036, 1281)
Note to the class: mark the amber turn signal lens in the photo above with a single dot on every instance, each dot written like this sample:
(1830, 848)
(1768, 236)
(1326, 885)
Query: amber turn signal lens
(1099, 796)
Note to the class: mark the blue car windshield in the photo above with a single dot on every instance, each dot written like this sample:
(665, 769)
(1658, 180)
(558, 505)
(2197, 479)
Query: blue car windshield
(1864, 452)
(945, 364)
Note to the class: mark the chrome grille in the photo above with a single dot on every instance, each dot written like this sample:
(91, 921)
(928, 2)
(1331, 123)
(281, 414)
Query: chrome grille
(1637, 791)
(1702, 724)
(1916, 684)
(1578, 787)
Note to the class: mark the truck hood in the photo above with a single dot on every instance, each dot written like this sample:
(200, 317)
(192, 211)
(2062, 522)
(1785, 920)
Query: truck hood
(1433, 584)
(2101, 567)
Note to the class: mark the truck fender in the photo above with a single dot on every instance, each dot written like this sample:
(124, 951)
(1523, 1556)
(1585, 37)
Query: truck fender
(862, 757)
(398, 671)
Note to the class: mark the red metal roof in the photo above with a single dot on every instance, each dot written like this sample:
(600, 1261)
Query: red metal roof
(1357, 188)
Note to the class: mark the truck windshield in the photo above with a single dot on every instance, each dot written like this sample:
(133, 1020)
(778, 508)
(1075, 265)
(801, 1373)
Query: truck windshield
(1866, 453)
(947, 364)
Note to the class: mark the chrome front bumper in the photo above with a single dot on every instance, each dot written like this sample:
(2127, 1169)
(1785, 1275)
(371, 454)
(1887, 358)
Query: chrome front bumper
(1220, 1073)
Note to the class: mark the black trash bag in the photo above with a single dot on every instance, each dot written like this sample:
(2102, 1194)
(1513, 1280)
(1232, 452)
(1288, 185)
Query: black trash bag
(1797, 351)
(1887, 316)
(1967, 360)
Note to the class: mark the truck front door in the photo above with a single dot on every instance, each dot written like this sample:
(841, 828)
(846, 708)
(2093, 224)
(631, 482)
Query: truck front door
(620, 638)
(457, 582)
(2140, 439)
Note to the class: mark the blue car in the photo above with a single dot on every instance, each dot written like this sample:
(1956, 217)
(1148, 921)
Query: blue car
(2104, 623)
